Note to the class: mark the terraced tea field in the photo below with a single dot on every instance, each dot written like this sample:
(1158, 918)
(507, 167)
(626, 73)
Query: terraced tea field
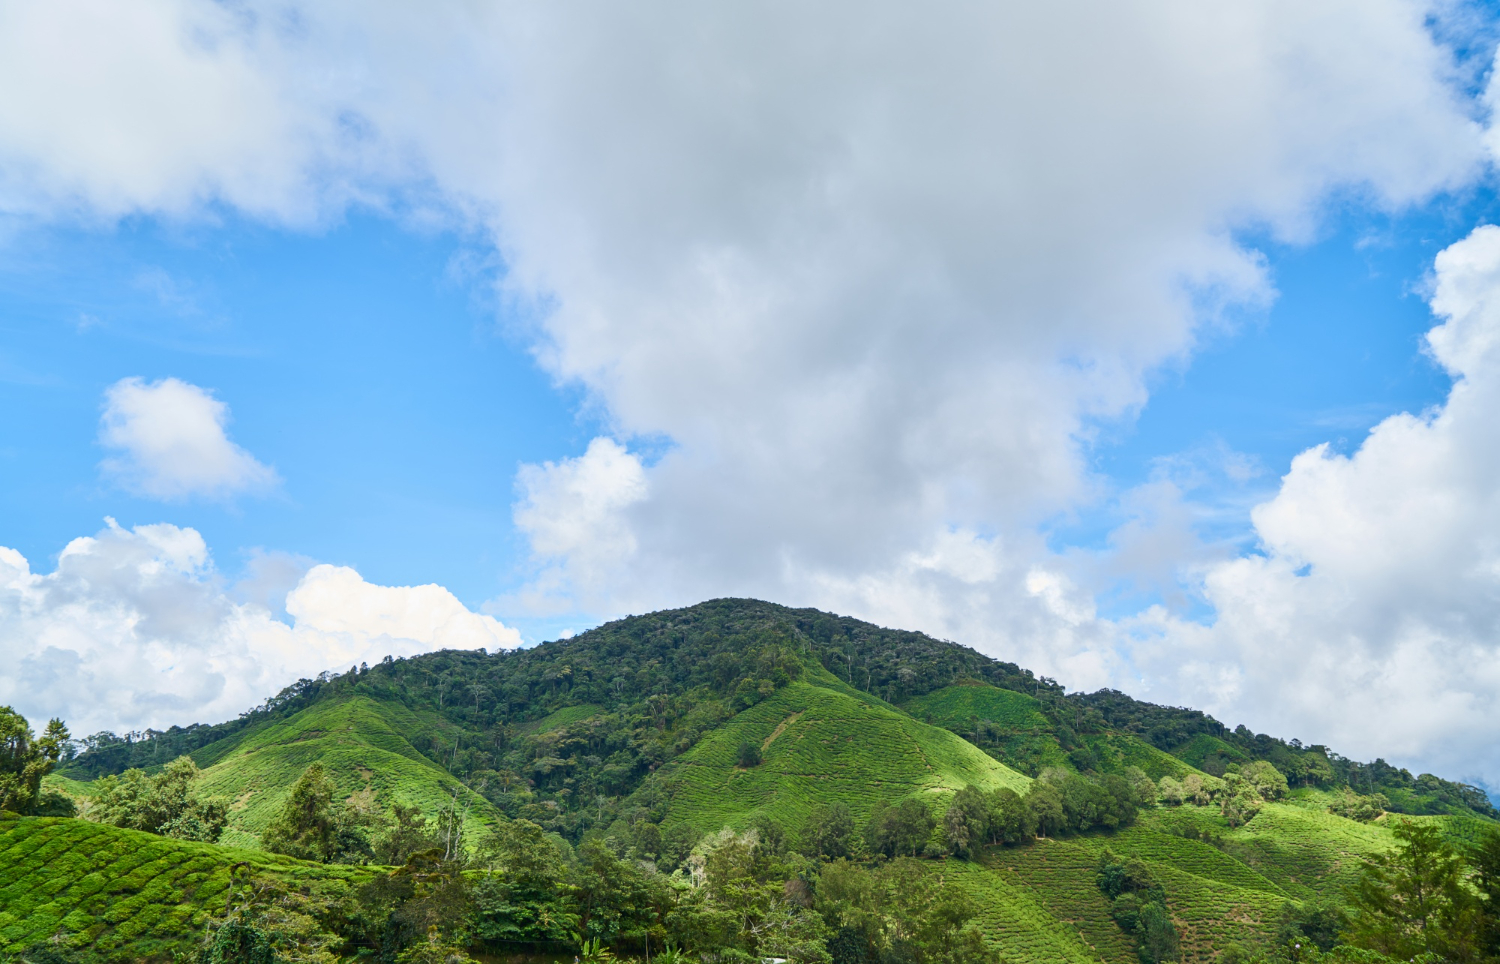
(107, 890)
(1213, 903)
(563, 717)
(1116, 751)
(359, 740)
(1306, 851)
(819, 746)
(1015, 921)
(953, 707)
(1062, 875)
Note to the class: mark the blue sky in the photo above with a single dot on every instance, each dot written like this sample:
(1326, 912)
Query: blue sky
(376, 368)
(366, 362)
(1085, 343)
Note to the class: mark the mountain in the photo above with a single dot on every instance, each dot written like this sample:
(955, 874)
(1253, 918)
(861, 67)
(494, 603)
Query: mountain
(658, 731)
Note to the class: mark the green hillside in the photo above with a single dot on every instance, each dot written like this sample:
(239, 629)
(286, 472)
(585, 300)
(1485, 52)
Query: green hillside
(623, 749)
(821, 746)
(359, 741)
(121, 893)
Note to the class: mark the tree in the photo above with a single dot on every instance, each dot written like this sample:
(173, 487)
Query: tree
(1240, 801)
(748, 756)
(1144, 787)
(406, 834)
(237, 942)
(306, 827)
(1485, 859)
(521, 898)
(24, 759)
(165, 804)
(899, 831)
(1046, 809)
(966, 825)
(1011, 820)
(1267, 780)
(1139, 907)
(829, 832)
(1414, 899)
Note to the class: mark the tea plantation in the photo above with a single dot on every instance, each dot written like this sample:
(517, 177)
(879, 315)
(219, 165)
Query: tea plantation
(124, 893)
(362, 742)
(821, 745)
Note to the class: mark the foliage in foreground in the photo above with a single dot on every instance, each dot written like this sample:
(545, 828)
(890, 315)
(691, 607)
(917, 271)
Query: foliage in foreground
(166, 804)
(25, 759)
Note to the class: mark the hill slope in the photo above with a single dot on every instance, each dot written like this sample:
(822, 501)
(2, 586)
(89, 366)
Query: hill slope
(641, 722)
(122, 893)
(821, 746)
(360, 743)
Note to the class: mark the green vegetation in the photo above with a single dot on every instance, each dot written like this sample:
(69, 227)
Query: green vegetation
(737, 780)
(120, 893)
(166, 803)
(817, 745)
(362, 745)
(25, 760)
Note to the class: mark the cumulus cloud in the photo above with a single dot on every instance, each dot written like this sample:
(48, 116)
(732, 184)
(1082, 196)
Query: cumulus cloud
(573, 513)
(172, 444)
(885, 289)
(875, 272)
(134, 628)
(1372, 619)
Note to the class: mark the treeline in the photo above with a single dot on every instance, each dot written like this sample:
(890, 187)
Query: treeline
(1172, 728)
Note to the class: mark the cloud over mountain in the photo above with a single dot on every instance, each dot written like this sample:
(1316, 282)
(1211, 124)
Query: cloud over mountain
(852, 287)
(1372, 617)
(135, 628)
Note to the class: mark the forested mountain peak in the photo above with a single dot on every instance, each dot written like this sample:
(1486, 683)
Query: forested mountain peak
(685, 667)
(658, 763)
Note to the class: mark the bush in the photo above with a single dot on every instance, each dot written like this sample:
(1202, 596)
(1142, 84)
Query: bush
(238, 943)
(749, 755)
(164, 804)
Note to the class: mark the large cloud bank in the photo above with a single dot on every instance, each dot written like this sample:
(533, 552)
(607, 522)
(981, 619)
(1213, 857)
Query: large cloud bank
(1372, 618)
(869, 275)
(134, 628)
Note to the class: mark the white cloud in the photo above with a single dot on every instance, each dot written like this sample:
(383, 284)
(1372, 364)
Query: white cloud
(881, 290)
(333, 601)
(874, 270)
(574, 514)
(172, 444)
(1372, 620)
(134, 629)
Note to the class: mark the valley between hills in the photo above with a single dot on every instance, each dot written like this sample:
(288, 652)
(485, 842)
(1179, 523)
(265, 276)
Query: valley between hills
(734, 781)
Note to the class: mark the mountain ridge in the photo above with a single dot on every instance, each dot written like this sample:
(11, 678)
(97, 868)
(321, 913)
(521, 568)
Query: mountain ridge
(897, 666)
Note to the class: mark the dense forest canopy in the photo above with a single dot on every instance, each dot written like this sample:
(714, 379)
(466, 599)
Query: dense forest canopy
(655, 682)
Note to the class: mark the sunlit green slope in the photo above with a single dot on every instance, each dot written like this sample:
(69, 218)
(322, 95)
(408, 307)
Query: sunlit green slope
(365, 745)
(821, 745)
(125, 893)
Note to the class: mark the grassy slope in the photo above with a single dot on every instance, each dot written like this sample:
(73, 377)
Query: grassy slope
(1018, 734)
(1116, 751)
(119, 890)
(359, 740)
(820, 745)
(952, 707)
(1214, 900)
(566, 716)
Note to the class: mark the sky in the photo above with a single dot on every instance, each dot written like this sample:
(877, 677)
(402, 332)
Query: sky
(1148, 345)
